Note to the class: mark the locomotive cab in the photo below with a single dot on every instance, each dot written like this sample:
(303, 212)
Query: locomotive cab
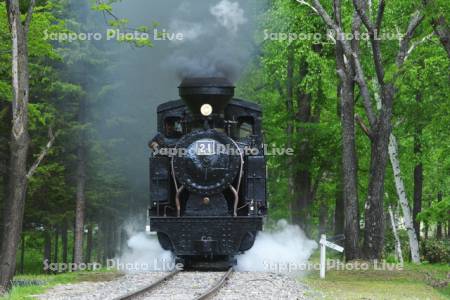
(207, 172)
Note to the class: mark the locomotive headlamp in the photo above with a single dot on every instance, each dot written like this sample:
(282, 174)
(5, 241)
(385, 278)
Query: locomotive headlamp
(206, 109)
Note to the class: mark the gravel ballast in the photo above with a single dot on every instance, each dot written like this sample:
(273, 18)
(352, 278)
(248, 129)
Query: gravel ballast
(186, 285)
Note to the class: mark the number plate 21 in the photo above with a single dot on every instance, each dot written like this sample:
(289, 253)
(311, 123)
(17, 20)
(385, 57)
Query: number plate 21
(205, 147)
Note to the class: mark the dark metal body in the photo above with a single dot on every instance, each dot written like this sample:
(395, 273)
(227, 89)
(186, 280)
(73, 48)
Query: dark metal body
(207, 206)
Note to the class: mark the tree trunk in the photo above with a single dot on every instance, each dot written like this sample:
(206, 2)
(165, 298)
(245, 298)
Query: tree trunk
(108, 240)
(400, 187)
(439, 224)
(119, 239)
(339, 210)
(100, 242)
(418, 184)
(64, 241)
(439, 231)
(56, 244)
(80, 191)
(89, 244)
(426, 225)
(398, 245)
(349, 157)
(303, 181)
(349, 167)
(113, 245)
(448, 228)
(441, 29)
(374, 212)
(339, 207)
(379, 148)
(80, 208)
(323, 218)
(73, 243)
(47, 247)
(290, 125)
(22, 254)
(15, 201)
(300, 206)
(418, 173)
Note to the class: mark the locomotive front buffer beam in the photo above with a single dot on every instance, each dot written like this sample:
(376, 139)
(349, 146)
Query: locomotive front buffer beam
(206, 236)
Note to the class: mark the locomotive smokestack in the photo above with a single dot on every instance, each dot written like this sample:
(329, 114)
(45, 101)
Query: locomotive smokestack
(206, 95)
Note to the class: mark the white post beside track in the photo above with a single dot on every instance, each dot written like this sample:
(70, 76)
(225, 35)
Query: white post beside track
(323, 251)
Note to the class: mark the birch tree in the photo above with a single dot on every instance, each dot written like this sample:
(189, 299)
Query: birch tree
(398, 245)
(408, 219)
(406, 209)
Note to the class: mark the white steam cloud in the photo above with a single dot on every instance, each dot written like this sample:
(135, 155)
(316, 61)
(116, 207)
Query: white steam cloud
(285, 249)
(278, 250)
(189, 30)
(229, 15)
(215, 41)
(145, 254)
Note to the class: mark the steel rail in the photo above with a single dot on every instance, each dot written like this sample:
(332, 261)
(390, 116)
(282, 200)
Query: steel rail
(213, 290)
(148, 288)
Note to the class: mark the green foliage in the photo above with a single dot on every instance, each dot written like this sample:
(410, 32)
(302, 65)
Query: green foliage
(437, 212)
(106, 8)
(20, 292)
(389, 244)
(436, 251)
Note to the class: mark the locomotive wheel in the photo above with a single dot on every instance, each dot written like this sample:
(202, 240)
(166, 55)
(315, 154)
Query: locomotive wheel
(164, 241)
(248, 241)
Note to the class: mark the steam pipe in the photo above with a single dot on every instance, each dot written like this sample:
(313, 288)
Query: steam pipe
(177, 200)
(179, 190)
(241, 170)
(236, 200)
(173, 175)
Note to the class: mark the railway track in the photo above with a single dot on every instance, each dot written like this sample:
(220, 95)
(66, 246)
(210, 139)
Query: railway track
(213, 290)
(206, 295)
(147, 288)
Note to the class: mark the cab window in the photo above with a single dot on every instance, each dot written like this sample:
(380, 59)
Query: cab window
(173, 127)
(245, 127)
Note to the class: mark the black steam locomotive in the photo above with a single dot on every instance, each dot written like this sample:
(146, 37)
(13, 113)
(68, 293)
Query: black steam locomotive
(207, 173)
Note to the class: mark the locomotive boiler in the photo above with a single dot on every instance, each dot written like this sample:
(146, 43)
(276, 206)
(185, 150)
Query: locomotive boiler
(207, 173)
